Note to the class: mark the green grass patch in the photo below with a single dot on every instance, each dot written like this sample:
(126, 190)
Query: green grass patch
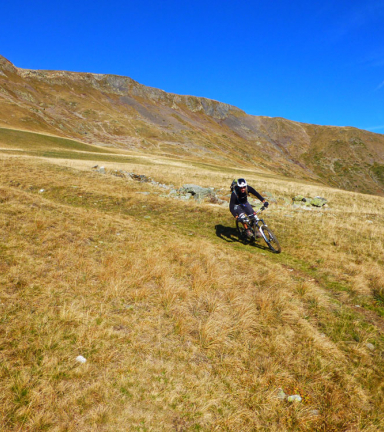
(33, 141)
(378, 170)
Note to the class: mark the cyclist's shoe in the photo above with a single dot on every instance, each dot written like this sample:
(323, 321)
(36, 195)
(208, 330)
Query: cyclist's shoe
(248, 233)
(258, 235)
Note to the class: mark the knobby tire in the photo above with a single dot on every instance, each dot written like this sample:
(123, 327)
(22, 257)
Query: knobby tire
(272, 241)
(241, 231)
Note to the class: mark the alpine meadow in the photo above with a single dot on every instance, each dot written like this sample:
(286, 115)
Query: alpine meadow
(127, 305)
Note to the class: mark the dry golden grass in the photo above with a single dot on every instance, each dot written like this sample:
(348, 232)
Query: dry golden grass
(183, 327)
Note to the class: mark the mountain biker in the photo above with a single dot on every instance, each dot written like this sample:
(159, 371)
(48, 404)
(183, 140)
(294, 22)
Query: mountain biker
(239, 205)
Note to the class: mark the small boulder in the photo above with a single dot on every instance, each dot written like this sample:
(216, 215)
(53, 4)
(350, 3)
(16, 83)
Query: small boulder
(281, 395)
(195, 190)
(294, 398)
(299, 198)
(139, 177)
(318, 201)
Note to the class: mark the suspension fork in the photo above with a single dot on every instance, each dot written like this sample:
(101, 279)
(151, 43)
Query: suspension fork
(264, 236)
(258, 228)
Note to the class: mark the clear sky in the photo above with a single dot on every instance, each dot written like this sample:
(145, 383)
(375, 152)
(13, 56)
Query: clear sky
(310, 61)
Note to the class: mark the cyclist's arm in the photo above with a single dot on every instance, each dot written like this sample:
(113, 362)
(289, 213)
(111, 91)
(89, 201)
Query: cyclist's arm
(254, 192)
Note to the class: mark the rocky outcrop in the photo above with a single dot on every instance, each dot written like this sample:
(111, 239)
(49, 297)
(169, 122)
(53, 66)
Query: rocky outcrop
(315, 202)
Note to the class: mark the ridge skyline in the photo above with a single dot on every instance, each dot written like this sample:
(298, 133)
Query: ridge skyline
(119, 112)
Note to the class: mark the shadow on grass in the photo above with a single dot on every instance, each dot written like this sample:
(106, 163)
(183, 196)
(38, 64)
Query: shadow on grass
(230, 235)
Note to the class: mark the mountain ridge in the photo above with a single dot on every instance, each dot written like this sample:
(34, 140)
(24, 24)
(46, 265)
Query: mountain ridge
(118, 112)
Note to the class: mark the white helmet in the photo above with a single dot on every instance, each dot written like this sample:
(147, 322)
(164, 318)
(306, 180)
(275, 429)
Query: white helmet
(241, 183)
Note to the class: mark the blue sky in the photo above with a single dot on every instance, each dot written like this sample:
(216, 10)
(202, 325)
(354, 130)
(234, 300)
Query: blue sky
(313, 61)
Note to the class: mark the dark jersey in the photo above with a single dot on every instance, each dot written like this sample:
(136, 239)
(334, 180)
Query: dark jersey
(241, 198)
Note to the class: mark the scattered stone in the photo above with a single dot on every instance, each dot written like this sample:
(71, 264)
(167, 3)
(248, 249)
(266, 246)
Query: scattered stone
(119, 173)
(101, 170)
(139, 177)
(269, 197)
(286, 201)
(81, 359)
(294, 398)
(41, 190)
(257, 204)
(370, 346)
(195, 190)
(281, 395)
(315, 202)
(184, 197)
(318, 201)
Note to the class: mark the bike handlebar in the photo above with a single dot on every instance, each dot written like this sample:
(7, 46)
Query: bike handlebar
(261, 209)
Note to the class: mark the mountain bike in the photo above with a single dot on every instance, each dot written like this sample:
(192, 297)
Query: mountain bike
(257, 225)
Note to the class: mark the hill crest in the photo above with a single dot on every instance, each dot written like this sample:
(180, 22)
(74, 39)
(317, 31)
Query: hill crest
(116, 111)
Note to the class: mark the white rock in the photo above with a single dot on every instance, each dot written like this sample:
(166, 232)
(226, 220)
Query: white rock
(281, 395)
(294, 398)
(81, 359)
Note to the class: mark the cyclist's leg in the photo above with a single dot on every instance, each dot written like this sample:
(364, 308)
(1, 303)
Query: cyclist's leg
(242, 217)
(241, 213)
(251, 215)
(248, 210)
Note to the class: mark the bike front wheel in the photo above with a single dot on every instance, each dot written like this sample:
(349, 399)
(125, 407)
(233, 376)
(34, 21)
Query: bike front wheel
(271, 240)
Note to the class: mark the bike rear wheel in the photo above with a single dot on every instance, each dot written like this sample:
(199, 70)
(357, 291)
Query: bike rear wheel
(271, 240)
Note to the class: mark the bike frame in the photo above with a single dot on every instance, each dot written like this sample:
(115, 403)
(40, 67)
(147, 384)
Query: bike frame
(254, 223)
(259, 222)
(259, 225)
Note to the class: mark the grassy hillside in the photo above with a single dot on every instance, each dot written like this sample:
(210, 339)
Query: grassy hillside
(29, 141)
(117, 112)
(184, 328)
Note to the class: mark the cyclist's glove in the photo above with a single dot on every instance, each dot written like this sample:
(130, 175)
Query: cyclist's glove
(266, 204)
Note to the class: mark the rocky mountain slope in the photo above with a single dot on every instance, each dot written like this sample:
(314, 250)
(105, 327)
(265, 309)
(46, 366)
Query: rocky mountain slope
(116, 111)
